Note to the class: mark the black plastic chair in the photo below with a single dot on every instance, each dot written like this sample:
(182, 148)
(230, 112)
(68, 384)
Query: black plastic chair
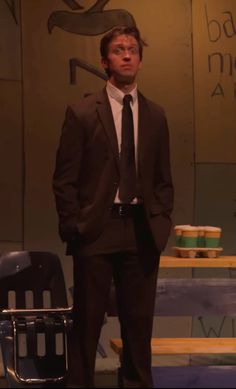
(34, 319)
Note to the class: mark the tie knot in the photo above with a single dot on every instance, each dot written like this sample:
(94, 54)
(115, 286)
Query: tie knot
(127, 99)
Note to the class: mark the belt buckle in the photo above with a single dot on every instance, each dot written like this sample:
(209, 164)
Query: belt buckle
(121, 210)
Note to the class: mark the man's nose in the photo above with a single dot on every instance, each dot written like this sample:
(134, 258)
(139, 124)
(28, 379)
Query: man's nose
(127, 55)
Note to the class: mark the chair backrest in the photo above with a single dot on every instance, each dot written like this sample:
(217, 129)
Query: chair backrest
(33, 307)
(35, 274)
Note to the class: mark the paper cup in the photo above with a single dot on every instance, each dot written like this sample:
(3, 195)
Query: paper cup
(178, 234)
(189, 236)
(212, 236)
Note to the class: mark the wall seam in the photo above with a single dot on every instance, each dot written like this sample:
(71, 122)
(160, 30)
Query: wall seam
(23, 130)
(194, 120)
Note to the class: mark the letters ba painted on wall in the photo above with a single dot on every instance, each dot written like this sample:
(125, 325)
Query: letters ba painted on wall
(221, 28)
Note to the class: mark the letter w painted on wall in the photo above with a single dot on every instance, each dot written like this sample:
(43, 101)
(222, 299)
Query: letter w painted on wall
(216, 328)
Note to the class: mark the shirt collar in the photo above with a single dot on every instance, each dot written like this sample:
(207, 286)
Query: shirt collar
(118, 95)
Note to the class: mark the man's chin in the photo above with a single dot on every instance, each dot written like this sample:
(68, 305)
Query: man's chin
(126, 78)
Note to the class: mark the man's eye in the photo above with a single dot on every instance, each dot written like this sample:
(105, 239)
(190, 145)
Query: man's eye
(133, 50)
(118, 50)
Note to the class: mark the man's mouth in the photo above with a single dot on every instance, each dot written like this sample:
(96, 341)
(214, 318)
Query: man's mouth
(127, 66)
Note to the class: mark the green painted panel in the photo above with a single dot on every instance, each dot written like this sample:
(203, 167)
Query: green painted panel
(11, 176)
(216, 201)
(10, 46)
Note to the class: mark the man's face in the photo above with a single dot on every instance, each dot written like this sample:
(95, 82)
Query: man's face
(123, 59)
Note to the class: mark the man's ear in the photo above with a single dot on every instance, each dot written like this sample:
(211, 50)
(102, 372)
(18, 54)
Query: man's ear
(104, 63)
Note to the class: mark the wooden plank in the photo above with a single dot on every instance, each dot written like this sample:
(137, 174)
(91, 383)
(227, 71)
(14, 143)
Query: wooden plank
(184, 346)
(172, 262)
(194, 297)
(194, 376)
(190, 297)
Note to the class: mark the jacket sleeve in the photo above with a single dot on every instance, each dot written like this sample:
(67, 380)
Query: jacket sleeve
(66, 174)
(164, 191)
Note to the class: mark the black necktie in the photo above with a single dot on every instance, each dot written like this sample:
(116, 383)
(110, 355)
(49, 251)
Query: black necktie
(127, 189)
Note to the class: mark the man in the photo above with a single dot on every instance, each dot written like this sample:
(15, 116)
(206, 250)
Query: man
(114, 197)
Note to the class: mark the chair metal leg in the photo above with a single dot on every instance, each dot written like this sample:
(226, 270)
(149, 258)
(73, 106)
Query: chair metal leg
(29, 371)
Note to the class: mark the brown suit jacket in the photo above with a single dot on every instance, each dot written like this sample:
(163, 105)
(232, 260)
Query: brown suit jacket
(86, 176)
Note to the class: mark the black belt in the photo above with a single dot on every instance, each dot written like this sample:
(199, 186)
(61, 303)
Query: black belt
(126, 210)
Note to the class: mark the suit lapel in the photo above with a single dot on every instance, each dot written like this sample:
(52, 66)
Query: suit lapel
(106, 117)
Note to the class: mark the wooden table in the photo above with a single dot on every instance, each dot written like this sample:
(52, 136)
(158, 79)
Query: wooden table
(193, 297)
